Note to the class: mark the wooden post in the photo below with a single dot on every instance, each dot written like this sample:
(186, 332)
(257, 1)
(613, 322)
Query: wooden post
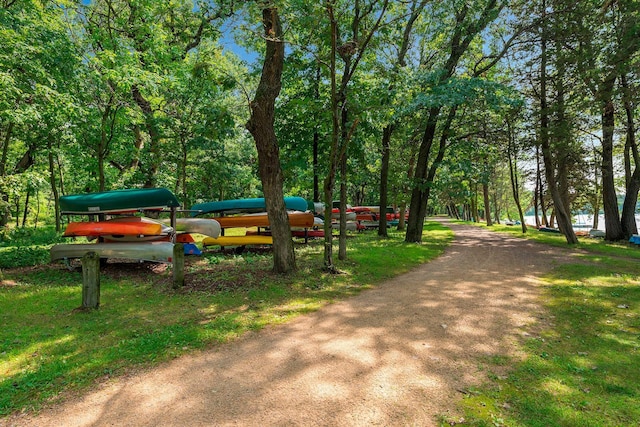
(90, 280)
(178, 265)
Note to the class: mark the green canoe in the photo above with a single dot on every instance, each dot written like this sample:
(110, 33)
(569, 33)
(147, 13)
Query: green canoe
(245, 206)
(118, 201)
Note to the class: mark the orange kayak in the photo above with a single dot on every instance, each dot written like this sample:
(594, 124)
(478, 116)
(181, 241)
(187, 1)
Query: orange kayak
(296, 219)
(132, 226)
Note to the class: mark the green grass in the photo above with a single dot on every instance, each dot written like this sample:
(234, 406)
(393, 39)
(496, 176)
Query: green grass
(47, 347)
(594, 245)
(581, 362)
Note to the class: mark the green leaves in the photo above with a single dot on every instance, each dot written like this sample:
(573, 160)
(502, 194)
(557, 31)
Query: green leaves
(457, 91)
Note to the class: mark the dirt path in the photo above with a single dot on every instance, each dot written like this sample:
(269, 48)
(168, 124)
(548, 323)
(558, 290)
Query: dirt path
(396, 355)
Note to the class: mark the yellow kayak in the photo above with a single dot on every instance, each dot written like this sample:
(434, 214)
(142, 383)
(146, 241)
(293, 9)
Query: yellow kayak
(238, 240)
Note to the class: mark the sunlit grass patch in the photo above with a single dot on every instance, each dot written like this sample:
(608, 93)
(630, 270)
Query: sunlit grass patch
(581, 361)
(593, 245)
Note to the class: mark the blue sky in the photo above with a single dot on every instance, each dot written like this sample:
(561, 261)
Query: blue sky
(228, 43)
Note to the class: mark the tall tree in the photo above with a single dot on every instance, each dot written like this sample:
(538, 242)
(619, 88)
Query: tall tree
(468, 24)
(38, 65)
(632, 179)
(512, 154)
(140, 44)
(351, 52)
(260, 125)
(561, 210)
(414, 9)
(601, 61)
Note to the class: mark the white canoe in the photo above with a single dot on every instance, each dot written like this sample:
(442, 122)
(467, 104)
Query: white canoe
(207, 226)
(144, 251)
(351, 226)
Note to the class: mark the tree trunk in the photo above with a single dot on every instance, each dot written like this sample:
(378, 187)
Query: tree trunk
(26, 161)
(52, 181)
(613, 225)
(151, 171)
(384, 178)
(454, 210)
(342, 239)
(138, 145)
(260, 125)
(496, 207)
(334, 152)
(426, 175)
(420, 192)
(513, 175)
(487, 205)
(102, 148)
(316, 179)
(537, 202)
(316, 143)
(183, 173)
(4, 213)
(629, 226)
(405, 191)
(464, 33)
(5, 148)
(474, 205)
(25, 213)
(543, 205)
(344, 138)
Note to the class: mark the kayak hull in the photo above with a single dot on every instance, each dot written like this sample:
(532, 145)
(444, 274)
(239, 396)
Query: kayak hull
(248, 240)
(296, 219)
(127, 200)
(147, 251)
(245, 206)
(133, 226)
(205, 226)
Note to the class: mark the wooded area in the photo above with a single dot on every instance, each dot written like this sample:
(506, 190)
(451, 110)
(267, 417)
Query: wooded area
(478, 108)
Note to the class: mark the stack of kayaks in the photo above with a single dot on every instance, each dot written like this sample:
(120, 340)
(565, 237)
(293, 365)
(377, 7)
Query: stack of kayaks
(316, 230)
(365, 217)
(250, 213)
(351, 216)
(127, 237)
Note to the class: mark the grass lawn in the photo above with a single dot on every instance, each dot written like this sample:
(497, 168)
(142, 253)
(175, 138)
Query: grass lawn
(581, 362)
(47, 347)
